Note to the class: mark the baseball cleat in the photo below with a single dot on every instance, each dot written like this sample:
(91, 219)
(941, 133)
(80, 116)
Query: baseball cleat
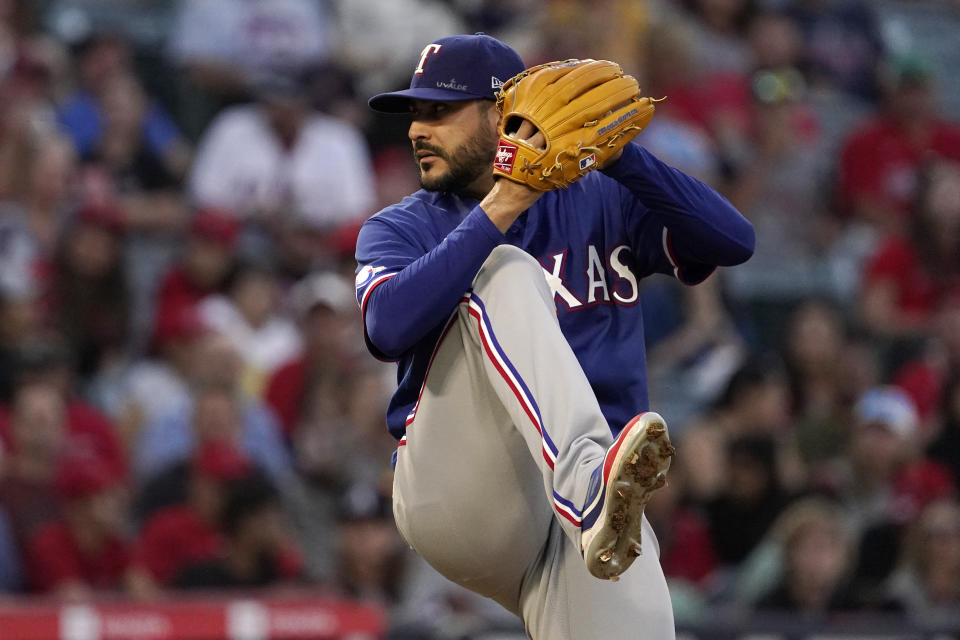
(634, 467)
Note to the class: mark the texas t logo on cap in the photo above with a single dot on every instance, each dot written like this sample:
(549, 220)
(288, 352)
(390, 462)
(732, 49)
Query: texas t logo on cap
(453, 69)
(427, 50)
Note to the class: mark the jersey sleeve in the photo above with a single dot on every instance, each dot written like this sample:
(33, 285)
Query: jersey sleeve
(678, 225)
(406, 286)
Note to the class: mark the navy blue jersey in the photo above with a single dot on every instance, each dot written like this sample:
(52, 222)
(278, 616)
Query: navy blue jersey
(594, 240)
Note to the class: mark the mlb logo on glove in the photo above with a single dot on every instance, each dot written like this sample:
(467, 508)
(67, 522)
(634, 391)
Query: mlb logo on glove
(587, 161)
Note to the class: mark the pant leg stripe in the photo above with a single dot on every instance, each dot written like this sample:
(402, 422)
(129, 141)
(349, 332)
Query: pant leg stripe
(566, 514)
(509, 373)
(489, 346)
(527, 399)
(566, 508)
(566, 503)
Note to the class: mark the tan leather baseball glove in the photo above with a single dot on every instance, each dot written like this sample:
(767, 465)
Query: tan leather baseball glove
(586, 110)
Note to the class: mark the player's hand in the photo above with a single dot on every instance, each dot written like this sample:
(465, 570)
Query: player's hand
(507, 200)
(531, 135)
(526, 133)
(613, 159)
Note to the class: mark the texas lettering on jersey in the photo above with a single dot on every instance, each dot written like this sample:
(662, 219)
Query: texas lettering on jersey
(622, 290)
(591, 263)
(594, 241)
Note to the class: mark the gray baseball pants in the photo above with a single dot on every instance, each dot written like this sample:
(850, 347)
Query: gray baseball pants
(495, 465)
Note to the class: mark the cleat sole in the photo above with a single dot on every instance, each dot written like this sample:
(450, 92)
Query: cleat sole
(614, 541)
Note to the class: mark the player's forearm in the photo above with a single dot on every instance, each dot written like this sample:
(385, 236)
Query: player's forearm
(702, 223)
(423, 294)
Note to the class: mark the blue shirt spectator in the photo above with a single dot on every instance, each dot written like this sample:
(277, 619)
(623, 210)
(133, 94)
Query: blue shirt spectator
(172, 436)
(82, 118)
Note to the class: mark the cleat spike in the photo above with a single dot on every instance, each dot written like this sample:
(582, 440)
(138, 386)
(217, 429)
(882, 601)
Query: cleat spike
(606, 555)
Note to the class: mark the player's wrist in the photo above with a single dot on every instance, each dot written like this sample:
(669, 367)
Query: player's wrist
(613, 159)
(506, 201)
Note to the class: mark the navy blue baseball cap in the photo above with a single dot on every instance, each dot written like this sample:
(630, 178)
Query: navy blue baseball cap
(453, 69)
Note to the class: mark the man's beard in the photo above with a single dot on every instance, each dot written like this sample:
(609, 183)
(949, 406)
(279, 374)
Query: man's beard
(469, 161)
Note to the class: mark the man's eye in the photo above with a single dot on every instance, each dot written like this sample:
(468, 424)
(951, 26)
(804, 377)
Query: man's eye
(437, 110)
(429, 111)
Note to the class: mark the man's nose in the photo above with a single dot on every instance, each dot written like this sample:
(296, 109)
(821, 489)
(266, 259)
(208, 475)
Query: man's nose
(419, 130)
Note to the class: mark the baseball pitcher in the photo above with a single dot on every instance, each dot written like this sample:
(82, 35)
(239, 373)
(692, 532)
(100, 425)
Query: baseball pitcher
(506, 290)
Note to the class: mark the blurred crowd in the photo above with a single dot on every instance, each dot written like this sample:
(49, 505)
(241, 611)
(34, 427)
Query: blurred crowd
(185, 402)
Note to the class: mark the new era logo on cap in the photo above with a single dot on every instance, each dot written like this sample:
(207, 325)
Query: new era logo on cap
(496, 83)
(506, 155)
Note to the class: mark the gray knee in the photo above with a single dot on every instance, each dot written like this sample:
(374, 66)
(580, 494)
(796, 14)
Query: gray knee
(511, 265)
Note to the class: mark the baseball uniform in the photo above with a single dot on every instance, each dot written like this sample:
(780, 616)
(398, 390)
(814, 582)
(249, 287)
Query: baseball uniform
(520, 361)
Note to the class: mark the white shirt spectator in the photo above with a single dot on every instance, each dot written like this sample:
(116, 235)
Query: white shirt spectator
(262, 348)
(381, 41)
(152, 387)
(325, 179)
(250, 34)
(18, 253)
(683, 146)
